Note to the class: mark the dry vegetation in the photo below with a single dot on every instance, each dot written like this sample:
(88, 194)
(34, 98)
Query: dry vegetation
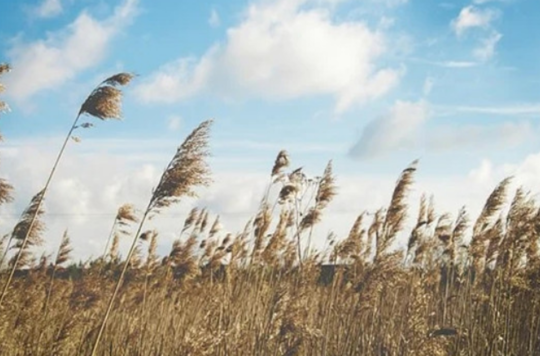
(460, 287)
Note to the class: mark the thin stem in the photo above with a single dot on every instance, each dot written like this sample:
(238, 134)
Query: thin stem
(120, 280)
(109, 239)
(6, 251)
(40, 201)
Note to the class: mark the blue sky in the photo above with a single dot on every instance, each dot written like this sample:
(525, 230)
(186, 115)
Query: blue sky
(370, 84)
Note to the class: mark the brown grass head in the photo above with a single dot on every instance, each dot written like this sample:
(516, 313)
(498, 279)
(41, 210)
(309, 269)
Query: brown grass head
(105, 102)
(326, 191)
(286, 193)
(126, 214)
(204, 221)
(6, 192)
(64, 251)
(21, 228)
(327, 187)
(282, 161)
(216, 228)
(191, 218)
(187, 170)
(492, 206)
(490, 211)
(397, 211)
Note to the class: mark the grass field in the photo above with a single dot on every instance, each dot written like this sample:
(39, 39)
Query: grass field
(462, 286)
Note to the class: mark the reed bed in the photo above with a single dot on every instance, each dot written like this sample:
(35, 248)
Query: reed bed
(462, 286)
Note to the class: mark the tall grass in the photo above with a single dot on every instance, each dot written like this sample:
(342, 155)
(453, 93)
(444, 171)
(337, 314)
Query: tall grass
(265, 291)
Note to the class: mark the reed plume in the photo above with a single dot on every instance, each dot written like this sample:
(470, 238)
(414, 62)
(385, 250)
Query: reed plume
(192, 217)
(125, 215)
(187, 170)
(397, 210)
(491, 208)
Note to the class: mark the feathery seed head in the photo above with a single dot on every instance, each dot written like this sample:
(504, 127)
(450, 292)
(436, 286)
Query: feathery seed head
(119, 79)
(126, 214)
(282, 161)
(187, 170)
(65, 249)
(191, 218)
(105, 101)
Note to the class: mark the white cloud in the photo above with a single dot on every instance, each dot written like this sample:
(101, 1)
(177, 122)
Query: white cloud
(47, 9)
(473, 17)
(214, 20)
(394, 131)
(282, 50)
(174, 122)
(176, 81)
(50, 62)
(487, 48)
(404, 128)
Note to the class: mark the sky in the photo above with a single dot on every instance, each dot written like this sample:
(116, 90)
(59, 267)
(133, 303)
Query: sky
(370, 84)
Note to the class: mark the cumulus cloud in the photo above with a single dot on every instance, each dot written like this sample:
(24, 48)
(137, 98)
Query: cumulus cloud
(47, 9)
(283, 50)
(473, 17)
(50, 62)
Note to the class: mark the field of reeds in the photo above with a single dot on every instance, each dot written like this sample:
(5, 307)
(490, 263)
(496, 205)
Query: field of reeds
(462, 286)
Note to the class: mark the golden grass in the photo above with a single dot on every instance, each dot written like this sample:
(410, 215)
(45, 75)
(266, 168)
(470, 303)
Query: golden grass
(264, 291)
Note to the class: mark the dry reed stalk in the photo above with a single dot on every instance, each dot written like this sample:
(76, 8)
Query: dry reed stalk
(397, 211)
(186, 170)
(104, 102)
(492, 207)
(62, 256)
(417, 234)
(351, 247)
(126, 214)
(27, 233)
(326, 191)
